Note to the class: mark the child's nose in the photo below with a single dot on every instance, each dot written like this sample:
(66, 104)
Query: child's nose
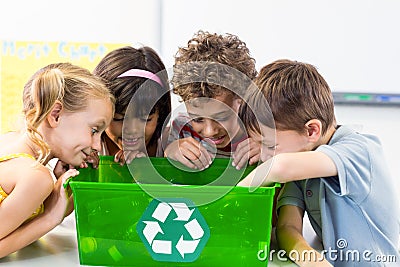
(210, 129)
(133, 127)
(96, 144)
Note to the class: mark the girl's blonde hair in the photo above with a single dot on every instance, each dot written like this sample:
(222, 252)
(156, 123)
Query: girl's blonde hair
(71, 85)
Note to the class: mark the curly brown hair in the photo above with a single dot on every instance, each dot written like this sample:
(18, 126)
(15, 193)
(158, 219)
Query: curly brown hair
(212, 65)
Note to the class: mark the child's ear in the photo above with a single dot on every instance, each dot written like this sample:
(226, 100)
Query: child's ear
(314, 130)
(54, 116)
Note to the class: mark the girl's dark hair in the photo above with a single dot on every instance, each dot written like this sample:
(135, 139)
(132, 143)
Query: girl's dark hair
(151, 97)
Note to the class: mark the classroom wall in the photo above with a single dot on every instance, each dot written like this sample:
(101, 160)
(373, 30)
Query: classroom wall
(117, 21)
(352, 43)
(382, 121)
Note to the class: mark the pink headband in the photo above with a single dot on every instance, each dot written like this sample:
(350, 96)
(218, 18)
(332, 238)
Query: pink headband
(141, 73)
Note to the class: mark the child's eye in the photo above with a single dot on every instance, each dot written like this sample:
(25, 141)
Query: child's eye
(94, 131)
(269, 146)
(148, 119)
(118, 119)
(222, 119)
(198, 120)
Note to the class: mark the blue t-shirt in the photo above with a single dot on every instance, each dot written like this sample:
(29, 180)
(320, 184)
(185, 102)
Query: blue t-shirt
(357, 213)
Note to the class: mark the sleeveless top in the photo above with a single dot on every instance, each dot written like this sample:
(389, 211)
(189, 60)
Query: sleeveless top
(3, 194)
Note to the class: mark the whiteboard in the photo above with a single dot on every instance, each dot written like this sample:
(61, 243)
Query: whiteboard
(355, 44)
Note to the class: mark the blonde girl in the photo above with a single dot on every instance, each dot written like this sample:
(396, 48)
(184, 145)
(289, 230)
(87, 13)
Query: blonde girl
(62, 120)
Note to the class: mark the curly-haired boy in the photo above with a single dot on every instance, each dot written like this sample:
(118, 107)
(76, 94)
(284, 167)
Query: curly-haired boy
(211, 75)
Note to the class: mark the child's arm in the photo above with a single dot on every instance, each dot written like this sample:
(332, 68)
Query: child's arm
(247, 151)
(29, 189)
(288, 167)
(56, 206)
(290, 238)
(189, 152)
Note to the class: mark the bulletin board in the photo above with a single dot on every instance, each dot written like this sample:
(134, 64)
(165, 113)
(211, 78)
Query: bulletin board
(19, 60)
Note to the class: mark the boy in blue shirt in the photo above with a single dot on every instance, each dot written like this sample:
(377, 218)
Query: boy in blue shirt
(335, 174)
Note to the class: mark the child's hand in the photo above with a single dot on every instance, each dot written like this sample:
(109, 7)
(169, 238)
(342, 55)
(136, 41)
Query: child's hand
(247, 151)
(189, 152)
(260, 176)
(127, 156)
(60, 168)
(93, 158)
(60, 203)
(247, 181)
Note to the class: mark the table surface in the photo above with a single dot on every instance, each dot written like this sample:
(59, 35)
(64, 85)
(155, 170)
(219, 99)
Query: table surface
(59, 248)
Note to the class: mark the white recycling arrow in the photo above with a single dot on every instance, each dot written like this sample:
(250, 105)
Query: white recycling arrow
(182, 211)
(194, 229)
(186, 246)
(161, 212)
(162, 246)
(151, 230)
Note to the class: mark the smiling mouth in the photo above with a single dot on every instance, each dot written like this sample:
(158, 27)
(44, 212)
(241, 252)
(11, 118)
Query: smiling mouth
(215, 140)
(131, 141)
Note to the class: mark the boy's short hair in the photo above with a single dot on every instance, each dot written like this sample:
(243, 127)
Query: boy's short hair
(208, 59)
(295, 93)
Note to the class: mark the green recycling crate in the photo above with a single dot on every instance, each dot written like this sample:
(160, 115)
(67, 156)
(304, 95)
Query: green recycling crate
(125, 219)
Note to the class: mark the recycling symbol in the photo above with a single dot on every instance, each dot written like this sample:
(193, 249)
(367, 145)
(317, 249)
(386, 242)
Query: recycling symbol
(173, 230)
